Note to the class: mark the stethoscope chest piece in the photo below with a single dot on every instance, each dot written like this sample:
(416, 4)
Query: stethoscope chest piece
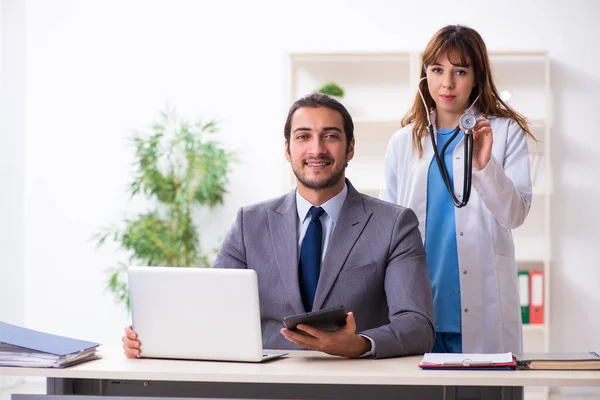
(468, 122)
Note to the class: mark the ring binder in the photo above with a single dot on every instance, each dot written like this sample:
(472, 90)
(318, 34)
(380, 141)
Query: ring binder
(23, 347)
(468, 361)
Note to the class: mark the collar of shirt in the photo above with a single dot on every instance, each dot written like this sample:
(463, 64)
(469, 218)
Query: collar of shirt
(332, 206)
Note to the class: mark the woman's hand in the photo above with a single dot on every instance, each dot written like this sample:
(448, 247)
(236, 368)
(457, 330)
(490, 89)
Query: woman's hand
(482, 143)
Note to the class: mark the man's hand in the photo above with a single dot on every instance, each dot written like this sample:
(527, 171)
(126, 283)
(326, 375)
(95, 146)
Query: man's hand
(343, 342)
(131, 344)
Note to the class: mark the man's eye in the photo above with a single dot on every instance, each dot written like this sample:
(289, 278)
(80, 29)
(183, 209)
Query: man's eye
(301, 137)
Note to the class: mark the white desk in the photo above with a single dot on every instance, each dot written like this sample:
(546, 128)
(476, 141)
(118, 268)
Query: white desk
(300, 375)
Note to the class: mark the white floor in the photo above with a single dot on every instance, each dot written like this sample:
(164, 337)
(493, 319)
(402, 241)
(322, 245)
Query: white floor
(38, 386)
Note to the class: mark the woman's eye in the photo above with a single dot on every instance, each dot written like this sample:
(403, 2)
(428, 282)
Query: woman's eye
(436, 70)
(461, 72)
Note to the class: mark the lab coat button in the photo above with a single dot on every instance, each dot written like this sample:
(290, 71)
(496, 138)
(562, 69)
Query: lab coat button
(461, 234)
(459, 195)
(466, 310)
(464, 271)
(458, 158)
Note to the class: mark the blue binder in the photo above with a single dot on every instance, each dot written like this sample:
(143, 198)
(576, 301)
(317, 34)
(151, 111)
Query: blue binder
(43, 342)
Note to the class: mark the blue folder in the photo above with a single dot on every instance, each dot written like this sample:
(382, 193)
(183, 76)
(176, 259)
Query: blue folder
(40, 341)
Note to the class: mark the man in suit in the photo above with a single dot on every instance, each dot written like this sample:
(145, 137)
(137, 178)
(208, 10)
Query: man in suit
(326, 244)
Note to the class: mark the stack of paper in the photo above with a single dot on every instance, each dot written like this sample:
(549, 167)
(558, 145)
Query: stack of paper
(468, 361)
(22, 347)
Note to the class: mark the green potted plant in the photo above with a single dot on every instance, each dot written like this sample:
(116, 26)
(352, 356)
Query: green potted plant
(178, 167)
(332, 89)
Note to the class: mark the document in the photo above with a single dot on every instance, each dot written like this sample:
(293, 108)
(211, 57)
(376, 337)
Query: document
(467, 361)
(23, 347)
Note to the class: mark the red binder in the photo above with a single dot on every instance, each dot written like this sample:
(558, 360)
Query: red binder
(536, 304)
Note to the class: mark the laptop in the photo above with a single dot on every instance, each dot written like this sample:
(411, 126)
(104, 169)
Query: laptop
(197, 313)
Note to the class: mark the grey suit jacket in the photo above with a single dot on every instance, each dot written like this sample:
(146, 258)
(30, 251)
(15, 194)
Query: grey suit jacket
(374, 266)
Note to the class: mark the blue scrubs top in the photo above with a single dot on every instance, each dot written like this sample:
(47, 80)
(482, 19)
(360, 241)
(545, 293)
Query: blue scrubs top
(440, 241)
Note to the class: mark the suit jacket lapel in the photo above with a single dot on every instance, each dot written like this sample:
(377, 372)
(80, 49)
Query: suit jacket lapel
(283, 227)
(352, 220)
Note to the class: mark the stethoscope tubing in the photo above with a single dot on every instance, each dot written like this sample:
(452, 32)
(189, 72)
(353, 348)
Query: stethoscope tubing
(468, 156)
(468, 163)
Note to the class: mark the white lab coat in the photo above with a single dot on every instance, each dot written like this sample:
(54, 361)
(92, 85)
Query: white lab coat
(500, 200)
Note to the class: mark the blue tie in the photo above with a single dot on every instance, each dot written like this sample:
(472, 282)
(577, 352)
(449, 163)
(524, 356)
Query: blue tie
(310, 258)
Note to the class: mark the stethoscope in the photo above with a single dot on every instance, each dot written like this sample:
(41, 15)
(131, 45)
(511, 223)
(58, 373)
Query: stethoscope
(468, 122)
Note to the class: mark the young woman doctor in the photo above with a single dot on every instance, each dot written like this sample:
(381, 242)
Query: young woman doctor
(470, 250)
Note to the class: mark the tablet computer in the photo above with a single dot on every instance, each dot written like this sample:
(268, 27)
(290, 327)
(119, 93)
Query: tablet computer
(327, 319)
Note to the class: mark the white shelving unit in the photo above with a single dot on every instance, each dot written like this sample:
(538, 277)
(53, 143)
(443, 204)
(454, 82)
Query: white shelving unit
(379, 89)
(526, 76)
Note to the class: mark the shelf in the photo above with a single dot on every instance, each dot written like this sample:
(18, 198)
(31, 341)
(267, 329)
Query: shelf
(530, 248)
(541, 328)
(541, 190)
(538, 129)
(395, 122)
(525, 78)
(531, 241)
(378, 133)
(365, 175)
(375, 86)
(534, 339)
(372, 136)
(518, 55)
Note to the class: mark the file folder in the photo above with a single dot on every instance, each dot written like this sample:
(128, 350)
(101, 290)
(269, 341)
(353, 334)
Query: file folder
(560, 361)
(524, 295)
(498, 361)
(27, 347)
(536, 305)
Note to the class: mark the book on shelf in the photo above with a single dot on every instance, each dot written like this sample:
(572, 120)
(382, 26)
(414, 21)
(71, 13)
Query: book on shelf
(531, 297)
(524, 295)
(536, 301)
(23, 347)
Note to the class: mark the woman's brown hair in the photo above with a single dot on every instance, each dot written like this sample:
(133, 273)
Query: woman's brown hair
(466, 47)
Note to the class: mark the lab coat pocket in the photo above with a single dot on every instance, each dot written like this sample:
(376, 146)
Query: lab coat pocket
(353, 273)
(508, 292)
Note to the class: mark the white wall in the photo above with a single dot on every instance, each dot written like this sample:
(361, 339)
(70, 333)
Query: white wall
(12, 161)
(96, 70)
